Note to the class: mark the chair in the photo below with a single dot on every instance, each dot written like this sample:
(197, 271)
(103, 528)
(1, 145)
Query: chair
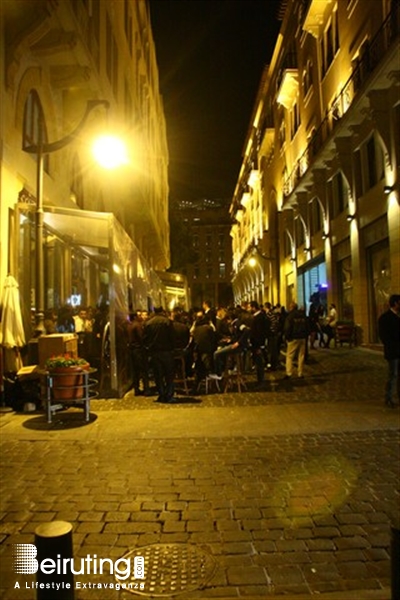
(210, 380)
(180, 378)
(233, 375)
(345, 333)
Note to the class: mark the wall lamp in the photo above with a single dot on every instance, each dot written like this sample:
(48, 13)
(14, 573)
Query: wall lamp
(388, 188)
(350, 217)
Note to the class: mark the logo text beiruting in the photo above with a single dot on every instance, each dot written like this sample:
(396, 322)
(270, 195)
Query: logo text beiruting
(24, 562)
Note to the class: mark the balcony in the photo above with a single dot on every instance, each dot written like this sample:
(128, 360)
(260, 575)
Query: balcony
(315, 16)
(363, 67)
(288, 88)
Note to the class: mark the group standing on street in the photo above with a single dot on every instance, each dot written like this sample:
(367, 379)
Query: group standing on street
(206, 340)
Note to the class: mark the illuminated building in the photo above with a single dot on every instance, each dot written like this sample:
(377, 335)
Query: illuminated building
(318, 189)
(208, 261)
(105, 233)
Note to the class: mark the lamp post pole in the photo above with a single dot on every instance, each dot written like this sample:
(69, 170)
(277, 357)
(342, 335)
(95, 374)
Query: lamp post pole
(39, 274)
(40, 149)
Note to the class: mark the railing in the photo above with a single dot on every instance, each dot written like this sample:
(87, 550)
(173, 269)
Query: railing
(363, 67)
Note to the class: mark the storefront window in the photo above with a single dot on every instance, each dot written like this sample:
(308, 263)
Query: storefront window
(346, 311)
(379, 281)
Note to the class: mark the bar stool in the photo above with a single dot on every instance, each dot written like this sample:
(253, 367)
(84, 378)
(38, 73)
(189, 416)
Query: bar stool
(209, 382)
(180, 370)
(233, 375)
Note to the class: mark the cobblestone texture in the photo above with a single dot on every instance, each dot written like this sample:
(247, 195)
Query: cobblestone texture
(281, 514)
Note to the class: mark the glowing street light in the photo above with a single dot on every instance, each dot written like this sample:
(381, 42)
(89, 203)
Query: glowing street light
(110, 152)
(252, 262)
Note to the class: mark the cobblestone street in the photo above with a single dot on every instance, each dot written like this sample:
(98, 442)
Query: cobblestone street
(291, 490)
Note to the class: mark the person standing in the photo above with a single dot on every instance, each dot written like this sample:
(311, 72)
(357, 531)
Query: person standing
(209, 312)
(158, 339)
(258, 334)
(139, 358)
(330, 328)
(205, 344)
(274, 332)
(389, 333)
(296, 332)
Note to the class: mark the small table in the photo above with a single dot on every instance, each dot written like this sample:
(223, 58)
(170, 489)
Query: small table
(84, 391)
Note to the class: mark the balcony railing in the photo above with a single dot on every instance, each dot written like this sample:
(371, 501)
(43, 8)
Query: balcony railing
(363, 67)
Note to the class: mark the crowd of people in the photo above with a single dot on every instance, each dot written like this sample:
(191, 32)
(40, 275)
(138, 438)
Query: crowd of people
(87, 322)
(206, 339)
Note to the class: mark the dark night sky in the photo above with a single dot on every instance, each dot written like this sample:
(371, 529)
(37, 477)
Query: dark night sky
(211, 55)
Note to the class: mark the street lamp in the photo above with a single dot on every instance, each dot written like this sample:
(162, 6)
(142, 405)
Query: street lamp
(40, 149)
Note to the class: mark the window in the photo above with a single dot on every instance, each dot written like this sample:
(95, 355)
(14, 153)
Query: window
(369, 161)
(299, 232)
(315, 216)
(195, 241)
(338, 194)
(222, 270)
(294, 120)
(128, 25)
(77, 182)
(287, 243)
(308, 77)
(330, 42)
(282, 130)
(111, 58)
(208, 239)
(33, 124)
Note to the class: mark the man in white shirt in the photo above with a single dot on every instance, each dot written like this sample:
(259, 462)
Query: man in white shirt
(331, 324)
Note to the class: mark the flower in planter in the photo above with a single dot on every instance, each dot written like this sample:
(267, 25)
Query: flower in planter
(65, 360)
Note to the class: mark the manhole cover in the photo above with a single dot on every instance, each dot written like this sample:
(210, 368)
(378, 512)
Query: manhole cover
(170, 569)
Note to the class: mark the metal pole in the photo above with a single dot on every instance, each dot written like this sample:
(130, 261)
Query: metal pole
(39, 287)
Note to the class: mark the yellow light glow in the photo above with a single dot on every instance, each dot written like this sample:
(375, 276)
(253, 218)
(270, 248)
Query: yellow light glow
(110, 152)
(252, 262)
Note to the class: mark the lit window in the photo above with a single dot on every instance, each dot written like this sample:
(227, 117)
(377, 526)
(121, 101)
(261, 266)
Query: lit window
(330, 42)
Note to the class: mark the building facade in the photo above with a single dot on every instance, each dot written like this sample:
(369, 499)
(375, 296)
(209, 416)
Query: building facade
(55, 57)
(105, 233)
(316, 205)
(207, 258)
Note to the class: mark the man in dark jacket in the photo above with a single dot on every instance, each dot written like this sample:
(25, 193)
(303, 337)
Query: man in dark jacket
(158, 339)
(239, 343)
(296, 332)
(139, 358)
(389, 333)
(205, 344)
(258, 334)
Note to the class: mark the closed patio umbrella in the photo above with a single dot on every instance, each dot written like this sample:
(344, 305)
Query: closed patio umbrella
(12, 335)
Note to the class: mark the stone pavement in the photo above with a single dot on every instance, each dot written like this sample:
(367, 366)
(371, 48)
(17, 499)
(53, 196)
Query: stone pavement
(290, 491)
